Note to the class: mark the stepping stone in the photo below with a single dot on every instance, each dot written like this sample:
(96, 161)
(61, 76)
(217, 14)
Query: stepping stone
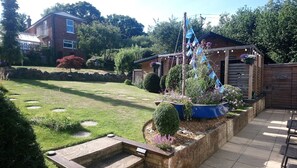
(106, 94)
(89, 123)
(145, 99)
(81, 134)
(12, 99)
(122, 95)
(33, 107)
(59, 110)
(31, 101)
(131, 98)
(15, 94)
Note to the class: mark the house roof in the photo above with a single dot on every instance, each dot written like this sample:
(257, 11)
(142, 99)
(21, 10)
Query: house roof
(64, 14)
(28, 37)
(214, 35)
(157, 56)
(146, 59)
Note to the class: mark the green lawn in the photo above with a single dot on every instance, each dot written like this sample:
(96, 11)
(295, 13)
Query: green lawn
(54, 69)
(118, 108)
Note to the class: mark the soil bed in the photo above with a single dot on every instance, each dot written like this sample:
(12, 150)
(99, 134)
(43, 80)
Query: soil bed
(188, 132)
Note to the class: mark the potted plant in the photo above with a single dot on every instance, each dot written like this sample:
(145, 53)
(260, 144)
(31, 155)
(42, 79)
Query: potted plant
(248, 58)
(204, 88)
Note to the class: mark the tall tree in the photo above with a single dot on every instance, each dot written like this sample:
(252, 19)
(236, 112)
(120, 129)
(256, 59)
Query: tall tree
(97, 37)
(10, 46)
(22, 21)
(167, 36)
(81, 9)
(129, 26)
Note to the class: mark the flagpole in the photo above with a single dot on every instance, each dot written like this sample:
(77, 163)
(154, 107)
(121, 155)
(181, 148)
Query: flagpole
(184, 55)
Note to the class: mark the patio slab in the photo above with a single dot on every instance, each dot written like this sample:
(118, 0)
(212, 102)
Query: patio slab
(257, 145)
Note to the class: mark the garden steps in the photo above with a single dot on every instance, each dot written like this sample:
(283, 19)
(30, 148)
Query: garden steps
(121, 160)
(98, 153)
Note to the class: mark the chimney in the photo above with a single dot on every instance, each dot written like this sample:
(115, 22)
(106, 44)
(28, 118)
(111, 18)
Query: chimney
(28, 22)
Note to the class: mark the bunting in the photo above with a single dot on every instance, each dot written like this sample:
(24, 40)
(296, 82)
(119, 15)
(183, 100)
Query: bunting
(195, 46)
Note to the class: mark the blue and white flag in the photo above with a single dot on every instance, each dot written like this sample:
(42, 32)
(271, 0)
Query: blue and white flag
(199, 51)
(190, 52)
(212, 75)
(196, 41)
(203, 59)
(190, 33)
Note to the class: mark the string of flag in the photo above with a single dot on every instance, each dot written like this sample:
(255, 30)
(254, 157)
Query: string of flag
(196, 49)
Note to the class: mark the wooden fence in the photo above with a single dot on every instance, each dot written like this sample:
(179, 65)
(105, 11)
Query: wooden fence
(280, 85)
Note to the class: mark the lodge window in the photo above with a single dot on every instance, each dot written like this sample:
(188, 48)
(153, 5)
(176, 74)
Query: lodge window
(69, 44)
(69, 26)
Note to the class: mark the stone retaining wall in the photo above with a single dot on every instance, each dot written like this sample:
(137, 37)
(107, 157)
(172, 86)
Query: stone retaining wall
(196, 153)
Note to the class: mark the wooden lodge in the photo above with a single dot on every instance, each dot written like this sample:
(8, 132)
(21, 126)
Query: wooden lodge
(224, 57)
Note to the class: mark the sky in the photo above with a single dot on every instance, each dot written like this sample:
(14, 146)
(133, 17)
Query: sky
(146, 11)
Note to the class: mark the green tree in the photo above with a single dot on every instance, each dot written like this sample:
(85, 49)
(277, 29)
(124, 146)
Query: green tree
(81, 9)
(97, 37)
(124, 60)
(128, 26)
(22, 21)
(142, 41)
(240, 26)
(167, 36)
(10, 51)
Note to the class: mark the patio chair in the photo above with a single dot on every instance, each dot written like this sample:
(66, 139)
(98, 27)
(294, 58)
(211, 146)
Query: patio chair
(292, 125)
(290, 152)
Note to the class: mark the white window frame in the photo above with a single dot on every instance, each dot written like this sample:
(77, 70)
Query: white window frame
(70, 42)
(70, 26)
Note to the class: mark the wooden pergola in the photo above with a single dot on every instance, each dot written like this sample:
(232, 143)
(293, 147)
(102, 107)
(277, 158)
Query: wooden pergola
(255, 75)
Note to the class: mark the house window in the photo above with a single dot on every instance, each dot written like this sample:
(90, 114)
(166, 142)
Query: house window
(69, 26)
(69, 44)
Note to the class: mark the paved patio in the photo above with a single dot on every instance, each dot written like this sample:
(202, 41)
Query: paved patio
(257, 145)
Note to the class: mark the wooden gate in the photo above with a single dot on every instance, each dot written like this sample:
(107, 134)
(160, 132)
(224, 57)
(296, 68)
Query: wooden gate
(280, 85)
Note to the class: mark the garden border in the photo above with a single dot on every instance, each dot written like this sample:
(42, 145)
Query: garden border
(196, 153)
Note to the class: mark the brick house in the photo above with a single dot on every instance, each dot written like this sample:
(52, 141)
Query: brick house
(57, 31)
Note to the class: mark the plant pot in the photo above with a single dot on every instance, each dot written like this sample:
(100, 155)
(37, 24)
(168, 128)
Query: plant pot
(249, 61)
(180, 109)
(178, 106)
(209, 111)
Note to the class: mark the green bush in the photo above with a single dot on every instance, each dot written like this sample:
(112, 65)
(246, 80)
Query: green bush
(57, 122)
(3, 89)
(139, 84)
(163, 82)
(152, 83)
(174, 77)
(166, 119)
(233, 95)
(128, 82)
(18, 146)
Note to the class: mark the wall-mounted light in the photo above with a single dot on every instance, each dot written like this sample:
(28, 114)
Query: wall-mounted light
(231, 50)
(141, 151)
(218, 52)
(245, 49)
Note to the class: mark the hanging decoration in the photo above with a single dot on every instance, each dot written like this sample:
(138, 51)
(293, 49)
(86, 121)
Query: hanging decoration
(197, 52)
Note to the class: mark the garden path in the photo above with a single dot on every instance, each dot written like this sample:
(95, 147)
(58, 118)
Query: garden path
(256, 145)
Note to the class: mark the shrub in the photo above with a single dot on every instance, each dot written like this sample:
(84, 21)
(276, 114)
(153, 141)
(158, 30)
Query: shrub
(163, 82)
(3, 89)
(163, 142)
(139, 83)
(152, 83)
(128, 82)
(174, 77)
(166, 119)
(95, 62)
(233, 95)
(18, 146)
(57, 123)
(70, 61)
